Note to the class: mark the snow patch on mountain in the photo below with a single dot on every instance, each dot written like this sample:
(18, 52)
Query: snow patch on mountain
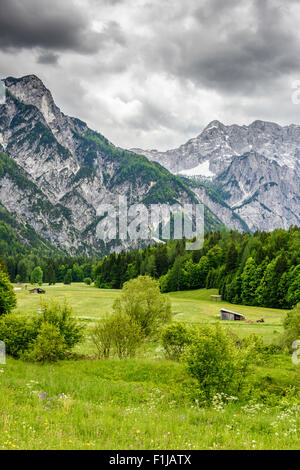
(200, 170)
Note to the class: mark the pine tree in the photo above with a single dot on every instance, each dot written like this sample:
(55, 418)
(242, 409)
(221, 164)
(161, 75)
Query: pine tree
(232, 258)
(161, 260)
(23, 270)
(68, 277)
(50, 275)
(250, 279)
(267, 291)
(293, 293)
(7, 295)
(177, 277)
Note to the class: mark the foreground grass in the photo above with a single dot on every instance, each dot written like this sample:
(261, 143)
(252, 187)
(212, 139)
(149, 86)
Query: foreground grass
(138, 404)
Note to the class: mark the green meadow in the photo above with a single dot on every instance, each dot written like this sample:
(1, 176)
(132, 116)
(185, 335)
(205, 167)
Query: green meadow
(146, 402)
(90, 304)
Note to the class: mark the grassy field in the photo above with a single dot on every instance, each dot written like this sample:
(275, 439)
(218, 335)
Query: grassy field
(87, 301)
(147, 402)
(92, 304)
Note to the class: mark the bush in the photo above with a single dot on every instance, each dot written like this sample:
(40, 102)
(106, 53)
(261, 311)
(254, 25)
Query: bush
(126, 335)
(102, 339)
(215, 361)
(259, 350)
(60, 315)
(291, 326)
(142, 300)
(37, 276)
(18, 333)
(175, 338)
(49, 345)
(7, 295)
(119, 332)
(88, 281)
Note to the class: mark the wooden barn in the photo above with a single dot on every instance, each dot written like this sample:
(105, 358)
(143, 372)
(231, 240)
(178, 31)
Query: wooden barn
(229, 315)
(37, 290)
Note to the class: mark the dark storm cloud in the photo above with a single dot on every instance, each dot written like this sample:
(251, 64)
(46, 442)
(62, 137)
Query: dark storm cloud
(230, 45)
(48, 57)
(156, 70)
(56, 25)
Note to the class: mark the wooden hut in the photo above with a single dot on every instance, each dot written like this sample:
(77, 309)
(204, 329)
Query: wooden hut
(216, 298)
(37, 290)
(229, 315)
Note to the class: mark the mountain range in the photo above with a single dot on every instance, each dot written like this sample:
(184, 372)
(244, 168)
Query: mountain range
(255, 168)
(55, 172)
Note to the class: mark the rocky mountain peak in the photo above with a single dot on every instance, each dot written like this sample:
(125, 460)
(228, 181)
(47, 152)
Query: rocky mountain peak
(31, 90)
(213, 128)
(215, 124)
(25, 80)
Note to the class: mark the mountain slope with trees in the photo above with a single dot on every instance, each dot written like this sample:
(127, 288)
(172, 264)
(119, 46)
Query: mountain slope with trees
(55, 172)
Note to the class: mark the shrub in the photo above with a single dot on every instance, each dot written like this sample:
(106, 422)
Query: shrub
(87, 281)
(259, 350)
(36, 276)
(60, 315)
(18, 333)
(175, 338)
(101, 337)
(49, 345)
(119, 332)
(215, 361)
(291, 326)
(126, 334)
(7, 295)
(142, 300)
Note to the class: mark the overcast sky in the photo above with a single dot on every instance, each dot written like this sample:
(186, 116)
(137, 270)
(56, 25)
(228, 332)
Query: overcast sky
(153, 73)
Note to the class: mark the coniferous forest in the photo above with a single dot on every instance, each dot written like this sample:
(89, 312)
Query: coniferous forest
(260, 269)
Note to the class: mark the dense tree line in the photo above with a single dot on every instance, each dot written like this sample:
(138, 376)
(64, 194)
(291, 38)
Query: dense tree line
(38, 269)
(260, 269)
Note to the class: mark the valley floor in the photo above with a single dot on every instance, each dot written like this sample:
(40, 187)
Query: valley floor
(147, 402)
(91, 304)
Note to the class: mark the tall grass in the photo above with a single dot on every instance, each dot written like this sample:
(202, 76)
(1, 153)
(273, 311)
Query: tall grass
(139, 404)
